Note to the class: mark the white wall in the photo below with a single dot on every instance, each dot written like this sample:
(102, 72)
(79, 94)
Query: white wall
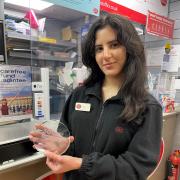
(174, 13)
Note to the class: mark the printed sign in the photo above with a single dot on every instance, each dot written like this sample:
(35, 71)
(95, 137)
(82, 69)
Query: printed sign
(159, 25)
(135, 10)
(15, 90)
(171, 60)
(86, 6)
(143, 6)
(112, 7)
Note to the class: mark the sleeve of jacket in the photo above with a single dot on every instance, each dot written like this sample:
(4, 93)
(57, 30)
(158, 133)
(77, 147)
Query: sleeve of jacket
(65, 120)
(140, 158)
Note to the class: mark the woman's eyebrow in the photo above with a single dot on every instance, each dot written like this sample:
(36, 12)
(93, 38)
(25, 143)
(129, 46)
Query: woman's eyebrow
(109, 42)
(115, 40)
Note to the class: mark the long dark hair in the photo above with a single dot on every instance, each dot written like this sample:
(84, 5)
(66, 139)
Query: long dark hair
(133, 89)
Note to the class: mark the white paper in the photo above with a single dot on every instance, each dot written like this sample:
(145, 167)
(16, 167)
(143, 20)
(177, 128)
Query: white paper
(68, 65)
(171, 61)
(154, 56)
(177, 84)
(1, 58)
(67, 76)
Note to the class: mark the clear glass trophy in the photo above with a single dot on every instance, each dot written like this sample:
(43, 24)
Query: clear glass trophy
(50, 135)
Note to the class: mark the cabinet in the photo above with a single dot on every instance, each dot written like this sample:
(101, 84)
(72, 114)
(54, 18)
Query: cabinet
(29, 48)
(37, 51)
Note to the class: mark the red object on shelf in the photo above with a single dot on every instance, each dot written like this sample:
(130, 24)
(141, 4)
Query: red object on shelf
(30, 15)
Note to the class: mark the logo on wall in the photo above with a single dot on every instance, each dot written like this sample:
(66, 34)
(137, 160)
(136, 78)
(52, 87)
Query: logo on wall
(95, 10)
(164, 2)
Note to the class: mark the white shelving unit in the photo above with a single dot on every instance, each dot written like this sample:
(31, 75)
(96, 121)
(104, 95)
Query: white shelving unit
(17, 41)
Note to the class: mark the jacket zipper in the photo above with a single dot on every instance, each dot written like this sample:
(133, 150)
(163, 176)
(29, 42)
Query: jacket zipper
(96, 129)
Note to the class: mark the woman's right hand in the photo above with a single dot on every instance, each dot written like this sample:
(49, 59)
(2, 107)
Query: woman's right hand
(62, 163)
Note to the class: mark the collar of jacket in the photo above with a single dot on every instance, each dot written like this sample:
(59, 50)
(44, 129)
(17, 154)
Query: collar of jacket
(95, 90)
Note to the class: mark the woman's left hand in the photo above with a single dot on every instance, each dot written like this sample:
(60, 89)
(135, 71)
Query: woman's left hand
(62, 163)
(48, 139)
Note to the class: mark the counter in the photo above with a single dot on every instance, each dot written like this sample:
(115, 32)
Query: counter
(28, 168)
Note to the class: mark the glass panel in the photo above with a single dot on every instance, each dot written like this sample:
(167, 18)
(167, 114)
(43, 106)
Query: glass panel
(49, 41)
(55, 45)
(15, 83)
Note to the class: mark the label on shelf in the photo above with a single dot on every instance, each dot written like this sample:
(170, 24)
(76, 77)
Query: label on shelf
(48, 40)
(38, 105)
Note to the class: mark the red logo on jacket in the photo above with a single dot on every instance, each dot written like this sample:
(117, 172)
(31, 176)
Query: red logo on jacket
(119, 129)
(78, 106)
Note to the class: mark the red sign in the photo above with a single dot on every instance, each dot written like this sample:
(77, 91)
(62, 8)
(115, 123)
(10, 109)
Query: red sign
(112, 7)
(159, 25)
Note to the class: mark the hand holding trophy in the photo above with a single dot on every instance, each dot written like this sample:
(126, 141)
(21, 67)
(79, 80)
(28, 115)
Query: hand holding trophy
(52, 136)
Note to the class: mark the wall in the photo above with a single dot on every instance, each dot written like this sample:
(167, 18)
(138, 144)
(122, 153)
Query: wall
(151, 41)
(154, 41)
(174, 13)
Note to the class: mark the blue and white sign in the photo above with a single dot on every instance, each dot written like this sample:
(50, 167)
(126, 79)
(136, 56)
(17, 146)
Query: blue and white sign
(86, 6)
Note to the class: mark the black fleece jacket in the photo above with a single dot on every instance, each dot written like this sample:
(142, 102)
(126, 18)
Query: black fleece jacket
(111, 148)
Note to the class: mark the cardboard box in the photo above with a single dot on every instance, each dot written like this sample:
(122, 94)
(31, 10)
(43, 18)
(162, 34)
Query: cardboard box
(68, 34)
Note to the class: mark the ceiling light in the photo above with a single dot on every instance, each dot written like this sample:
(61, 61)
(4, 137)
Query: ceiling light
(32, 4)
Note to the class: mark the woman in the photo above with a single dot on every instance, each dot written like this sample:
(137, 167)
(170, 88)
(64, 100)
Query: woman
(115, 123)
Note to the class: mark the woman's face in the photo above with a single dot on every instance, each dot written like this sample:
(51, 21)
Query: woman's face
(109, 53)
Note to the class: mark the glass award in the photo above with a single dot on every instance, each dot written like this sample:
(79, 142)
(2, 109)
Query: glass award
(50, 135)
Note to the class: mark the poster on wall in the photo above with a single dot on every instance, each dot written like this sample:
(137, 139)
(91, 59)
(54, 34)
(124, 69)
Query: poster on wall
(159, 25)
(135, 10)
(171, 60)
(87, 6)
(15, 91)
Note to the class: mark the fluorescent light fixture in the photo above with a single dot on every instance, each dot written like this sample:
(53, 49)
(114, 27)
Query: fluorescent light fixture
(32, 4)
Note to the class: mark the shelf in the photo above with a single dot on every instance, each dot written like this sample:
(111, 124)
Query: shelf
(36, 42)
(26, 55)
(12, 119)
(15, 18)
(22, 161)
(19, 36)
